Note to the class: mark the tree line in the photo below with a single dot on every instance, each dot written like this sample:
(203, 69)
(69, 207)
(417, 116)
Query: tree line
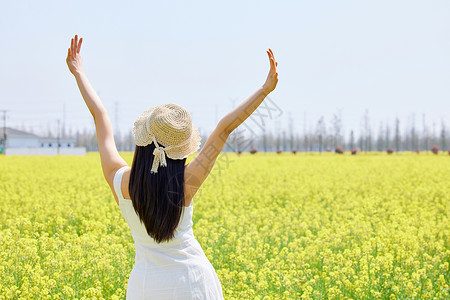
(317, 138)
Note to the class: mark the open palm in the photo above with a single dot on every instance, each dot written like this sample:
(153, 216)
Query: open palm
(73, 55)
(272, 78)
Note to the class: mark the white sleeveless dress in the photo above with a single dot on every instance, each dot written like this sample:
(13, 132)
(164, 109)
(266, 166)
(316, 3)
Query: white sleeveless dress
(178, 269)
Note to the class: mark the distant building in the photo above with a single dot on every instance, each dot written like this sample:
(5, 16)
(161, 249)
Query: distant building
(53, 142)
(20, 142)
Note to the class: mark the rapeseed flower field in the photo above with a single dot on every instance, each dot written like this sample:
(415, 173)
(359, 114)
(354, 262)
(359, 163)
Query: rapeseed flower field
(274, 226)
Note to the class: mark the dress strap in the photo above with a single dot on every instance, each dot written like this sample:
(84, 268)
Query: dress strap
(117, 182)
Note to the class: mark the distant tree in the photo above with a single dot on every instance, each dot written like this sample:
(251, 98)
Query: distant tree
(414, 142)
(380, 139)
(443, 136)
(49, 130)
(366, 134)
(388, 135)
(77, 139)
(397, 134)
(320, 132)
(118, 139)
(129, 144)
(425, 137)
(361, 142)
(352, 139)
(336, 122)
(298, 142)
(305, 142)
(291, 133)
(434, 137)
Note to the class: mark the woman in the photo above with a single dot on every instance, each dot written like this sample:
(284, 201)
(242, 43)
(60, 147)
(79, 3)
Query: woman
(156, 194)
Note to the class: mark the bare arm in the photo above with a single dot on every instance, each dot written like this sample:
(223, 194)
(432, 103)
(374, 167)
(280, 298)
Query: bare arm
(240, 113)
(199, 168)
(74, 62)
(90, 97)
(111, 161)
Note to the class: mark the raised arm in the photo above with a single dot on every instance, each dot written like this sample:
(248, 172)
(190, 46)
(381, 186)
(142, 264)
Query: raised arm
(110, 159)
(199, 168)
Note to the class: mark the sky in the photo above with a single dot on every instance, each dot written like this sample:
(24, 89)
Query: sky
(391, 58)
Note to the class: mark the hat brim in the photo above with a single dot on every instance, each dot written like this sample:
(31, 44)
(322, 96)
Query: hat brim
(143, 138)
(140, 134)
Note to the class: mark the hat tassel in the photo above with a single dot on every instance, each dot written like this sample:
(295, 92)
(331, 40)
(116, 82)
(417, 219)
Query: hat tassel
(159, 158)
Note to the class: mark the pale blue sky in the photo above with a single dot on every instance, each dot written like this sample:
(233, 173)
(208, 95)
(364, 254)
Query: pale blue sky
(390, 57)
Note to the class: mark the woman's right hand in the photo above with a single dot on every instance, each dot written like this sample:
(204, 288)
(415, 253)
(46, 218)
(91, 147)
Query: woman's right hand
(272, 78)
(73, 56)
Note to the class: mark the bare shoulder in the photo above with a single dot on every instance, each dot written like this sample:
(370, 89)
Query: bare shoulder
(125, 182)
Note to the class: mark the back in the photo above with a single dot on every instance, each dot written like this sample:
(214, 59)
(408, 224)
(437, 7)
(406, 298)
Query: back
(138, 230)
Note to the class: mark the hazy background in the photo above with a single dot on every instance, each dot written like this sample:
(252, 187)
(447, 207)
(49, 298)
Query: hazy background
(389, 57)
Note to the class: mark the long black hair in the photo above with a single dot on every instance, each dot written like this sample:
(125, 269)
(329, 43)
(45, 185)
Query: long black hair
(158, 199)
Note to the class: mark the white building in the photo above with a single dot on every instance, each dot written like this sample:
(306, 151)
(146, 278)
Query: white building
(20, 142)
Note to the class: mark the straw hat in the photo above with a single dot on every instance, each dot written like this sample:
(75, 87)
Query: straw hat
(170, 127)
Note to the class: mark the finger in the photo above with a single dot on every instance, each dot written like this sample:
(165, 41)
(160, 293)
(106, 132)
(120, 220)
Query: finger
(79, 45)
(68, 52)
(273, 56)
(270, 59)
(71, 47)
(76, 42)
(272, 64)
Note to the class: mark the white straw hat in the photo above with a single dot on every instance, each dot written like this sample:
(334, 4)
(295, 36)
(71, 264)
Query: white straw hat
(170, 127)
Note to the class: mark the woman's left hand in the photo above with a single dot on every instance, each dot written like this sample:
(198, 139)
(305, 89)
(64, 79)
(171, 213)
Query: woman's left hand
(73, 56)
(272, 78)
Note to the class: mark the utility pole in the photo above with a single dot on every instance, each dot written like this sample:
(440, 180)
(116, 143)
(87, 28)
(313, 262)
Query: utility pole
(3, 139)
(57, 137)
(291, 131)
(63, 135)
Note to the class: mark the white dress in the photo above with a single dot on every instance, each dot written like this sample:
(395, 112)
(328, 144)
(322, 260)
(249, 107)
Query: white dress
(178, 269)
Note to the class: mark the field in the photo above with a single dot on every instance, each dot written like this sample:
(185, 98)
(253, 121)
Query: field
(370, 226)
